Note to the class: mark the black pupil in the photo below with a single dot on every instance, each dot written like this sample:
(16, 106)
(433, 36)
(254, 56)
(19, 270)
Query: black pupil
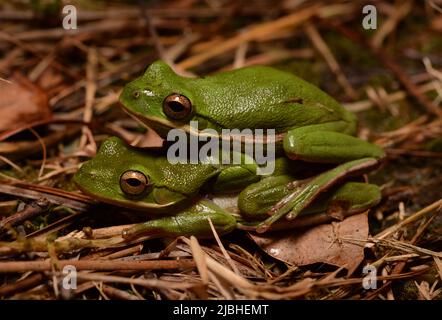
(133, 182)
(175, 106)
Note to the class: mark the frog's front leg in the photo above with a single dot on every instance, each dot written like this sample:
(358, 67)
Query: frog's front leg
(190, 221)
(324, 143)
(292, 204)
(234, 177)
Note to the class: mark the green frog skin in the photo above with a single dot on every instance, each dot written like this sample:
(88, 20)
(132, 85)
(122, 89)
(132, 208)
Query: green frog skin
(310, 125)
(170, 194)
(313, 126)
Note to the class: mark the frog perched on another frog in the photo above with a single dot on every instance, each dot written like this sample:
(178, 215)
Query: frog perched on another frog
(314, 126)
(310, 125)
(144, 180)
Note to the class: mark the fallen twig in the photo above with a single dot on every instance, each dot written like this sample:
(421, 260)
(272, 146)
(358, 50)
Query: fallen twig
(97, 265)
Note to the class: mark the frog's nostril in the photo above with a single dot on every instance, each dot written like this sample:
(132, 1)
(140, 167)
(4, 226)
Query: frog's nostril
(136, 94)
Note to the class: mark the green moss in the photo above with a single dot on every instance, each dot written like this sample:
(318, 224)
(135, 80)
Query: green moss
(432, 46)
(379, 121)
(380, 80)
(46, 7)
(348, 52)
(434, 145)
(305, 69)
(406, 290)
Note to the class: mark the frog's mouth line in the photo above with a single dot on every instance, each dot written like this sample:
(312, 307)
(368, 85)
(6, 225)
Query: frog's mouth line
(163, 126)
(159, 125)
(129, 204)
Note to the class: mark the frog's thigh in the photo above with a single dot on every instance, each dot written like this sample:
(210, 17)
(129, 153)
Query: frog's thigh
(256, 200)
(301, 199)
(234, 178)
(350, 198)
(191, 221)
(356, 196)
(327, 146)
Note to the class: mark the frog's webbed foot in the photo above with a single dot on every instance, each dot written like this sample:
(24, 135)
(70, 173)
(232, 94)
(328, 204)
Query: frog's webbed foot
(291, 205)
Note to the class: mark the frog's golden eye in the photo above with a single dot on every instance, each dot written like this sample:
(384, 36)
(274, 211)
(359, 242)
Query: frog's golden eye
(134, 183)
(176, 106)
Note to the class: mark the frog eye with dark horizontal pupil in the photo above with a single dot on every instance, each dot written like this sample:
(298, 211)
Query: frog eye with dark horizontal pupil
(177, 107)
(134, 183)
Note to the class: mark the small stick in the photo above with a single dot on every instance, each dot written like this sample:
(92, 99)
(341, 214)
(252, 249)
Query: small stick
(334, 66)
(391, 23)
(98, 265)
(401, 264)
(29, 282)
(148, 283)
(118, 294)
(25, 192)
(91, 89)
(223, 250)
(395, 68)
(387, 232)
(392, 97)
(34, 209)
(252, 33)
(124, 253)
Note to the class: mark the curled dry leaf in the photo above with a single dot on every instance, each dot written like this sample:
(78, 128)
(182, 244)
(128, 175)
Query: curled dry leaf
(49, 79)
(150, 139)
(21, 102)
(321, 243)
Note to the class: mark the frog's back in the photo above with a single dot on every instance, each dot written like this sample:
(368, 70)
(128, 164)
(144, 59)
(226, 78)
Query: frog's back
(264, 97)
(185, 178)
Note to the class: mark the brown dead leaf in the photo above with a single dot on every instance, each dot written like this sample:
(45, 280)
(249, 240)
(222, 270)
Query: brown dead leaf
(49, 79)
(318, 244)
(21, 102)
(436, 23)
(149, 139)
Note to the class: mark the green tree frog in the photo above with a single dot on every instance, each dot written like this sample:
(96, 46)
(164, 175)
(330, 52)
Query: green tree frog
(171, 194)
(310, 125)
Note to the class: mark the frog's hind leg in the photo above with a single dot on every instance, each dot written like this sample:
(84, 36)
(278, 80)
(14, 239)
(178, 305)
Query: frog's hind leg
(292, 204)
(345, 200)
(351, 197)
(190, 221)
(321, 143)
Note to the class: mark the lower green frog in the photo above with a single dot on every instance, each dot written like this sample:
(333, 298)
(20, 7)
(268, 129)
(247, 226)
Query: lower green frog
(172, 194)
